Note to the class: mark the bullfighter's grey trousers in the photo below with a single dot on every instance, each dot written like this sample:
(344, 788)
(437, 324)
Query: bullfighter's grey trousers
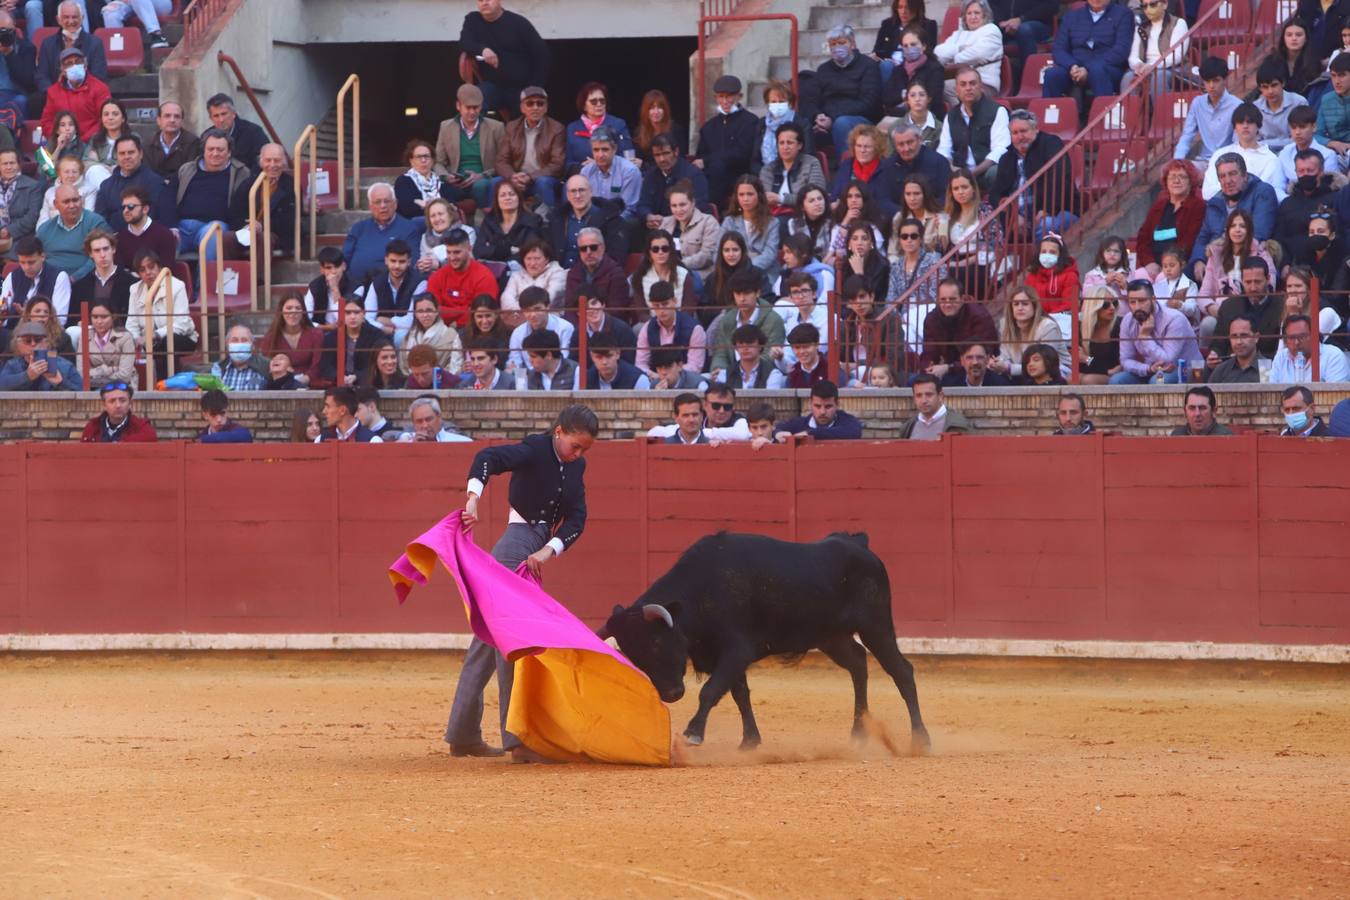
(481, 660)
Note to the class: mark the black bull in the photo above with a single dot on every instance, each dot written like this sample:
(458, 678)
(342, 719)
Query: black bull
(732, 599)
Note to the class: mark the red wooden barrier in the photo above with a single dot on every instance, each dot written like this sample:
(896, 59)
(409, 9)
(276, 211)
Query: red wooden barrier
(1227, 539)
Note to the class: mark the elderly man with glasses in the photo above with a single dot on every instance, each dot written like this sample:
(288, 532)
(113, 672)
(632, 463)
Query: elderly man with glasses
(365, 244)
(35, 365)
(582, 210)
(532, 150)
(597, 274)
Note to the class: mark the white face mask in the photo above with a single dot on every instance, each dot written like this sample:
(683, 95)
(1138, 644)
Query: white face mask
(241, 351)
(1048, 260)
(778, 109)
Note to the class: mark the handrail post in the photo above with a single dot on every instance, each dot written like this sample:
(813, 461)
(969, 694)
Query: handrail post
(224, 59)
(340, 380)
(308, 136)
(1076, 329)
(1314, 302)
(165, 279)
(582, 358)
(352, 84)
(832, 336)
(215, 231)
(264, 236)
(84, 342)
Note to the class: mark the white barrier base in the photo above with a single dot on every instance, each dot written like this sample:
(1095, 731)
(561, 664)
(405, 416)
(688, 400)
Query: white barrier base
(1157, 650)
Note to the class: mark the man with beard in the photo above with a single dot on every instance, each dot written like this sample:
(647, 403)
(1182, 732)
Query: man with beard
(1237, 190)
(1153, 339)
(955, 324)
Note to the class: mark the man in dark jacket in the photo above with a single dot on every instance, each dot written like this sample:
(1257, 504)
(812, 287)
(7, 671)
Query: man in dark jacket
(827, 422)
(18, 67)
(727, 143)
(592, 300)
(130, 171)
(845, 92)
(1091, 48)
(1051, 202)
(72, 34)
(911, 158)
(509, 52)
(599, 275)
(1237, 190)
(1025, 25)
(670, 170)
(1310, 191)
(247, 138)
(580, 211)
(536, 177)
(173, 146)
(953, 325)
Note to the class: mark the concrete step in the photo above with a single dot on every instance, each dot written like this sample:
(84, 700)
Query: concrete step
(859, 15)
(137, 84)
(335, 221)
(293, 272)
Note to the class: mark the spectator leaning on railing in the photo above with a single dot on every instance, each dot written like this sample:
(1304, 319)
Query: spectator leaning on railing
(932, 418)
(1200, 407)
(826, 421)
(1300, 414)
(220, 428)
(1071, 413)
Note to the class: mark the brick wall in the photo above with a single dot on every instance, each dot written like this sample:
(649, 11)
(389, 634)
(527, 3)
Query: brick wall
(1142, 410)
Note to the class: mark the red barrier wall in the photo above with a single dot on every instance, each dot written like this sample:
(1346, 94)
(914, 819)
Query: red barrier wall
(1227, 539)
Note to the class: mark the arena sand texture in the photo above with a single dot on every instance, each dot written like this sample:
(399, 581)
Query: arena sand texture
(319, 775)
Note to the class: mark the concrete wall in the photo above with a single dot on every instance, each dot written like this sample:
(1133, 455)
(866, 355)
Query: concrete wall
(993, 411)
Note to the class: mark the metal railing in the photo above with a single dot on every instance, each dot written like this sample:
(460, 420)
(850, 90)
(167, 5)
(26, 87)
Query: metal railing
(1120, 161)
(225, 59)
(165, 281)
(353, 86)
(309, 136)
(263, 236)
(705, 19)
(197, 19)
(204, 298)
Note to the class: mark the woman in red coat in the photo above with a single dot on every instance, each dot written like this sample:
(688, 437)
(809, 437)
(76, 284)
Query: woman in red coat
(1054, 275)
(1174, 218)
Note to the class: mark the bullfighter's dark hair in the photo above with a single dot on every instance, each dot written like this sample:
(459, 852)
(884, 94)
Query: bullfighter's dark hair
(576, 419)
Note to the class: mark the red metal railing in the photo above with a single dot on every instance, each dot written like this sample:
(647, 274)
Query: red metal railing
(198, 17)
(705, 19)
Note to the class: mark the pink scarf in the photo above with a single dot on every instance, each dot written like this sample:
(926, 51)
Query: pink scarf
(912, 67)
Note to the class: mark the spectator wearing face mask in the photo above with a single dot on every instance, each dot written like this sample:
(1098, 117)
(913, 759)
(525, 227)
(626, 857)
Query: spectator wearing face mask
(77, 90)
(242, 368)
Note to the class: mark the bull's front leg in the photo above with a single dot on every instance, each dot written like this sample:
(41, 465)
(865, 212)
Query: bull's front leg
(728, 672)
(740, 692)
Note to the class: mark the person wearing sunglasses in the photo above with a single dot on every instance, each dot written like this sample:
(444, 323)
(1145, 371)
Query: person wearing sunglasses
(131, 170)
(535, 175)
(116, 424)
(141, 232)
(1159, 33)
(35, 365)
(581, 210)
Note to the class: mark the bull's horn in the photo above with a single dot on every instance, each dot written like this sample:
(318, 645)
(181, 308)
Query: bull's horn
(657, 611)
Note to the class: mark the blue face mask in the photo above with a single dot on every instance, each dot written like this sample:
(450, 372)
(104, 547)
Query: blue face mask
(1296, 421)
(841, 54)
(75, 74)
(912, 54)
(1048, 260)
(240, 351)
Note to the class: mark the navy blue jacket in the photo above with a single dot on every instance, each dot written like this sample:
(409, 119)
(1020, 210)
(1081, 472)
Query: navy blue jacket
(844, 427)
(22, 66)
(108, 203)
(543, 489)
(886, 184)
(655, 183)
(1111, 37)
(49, 59)
(1258, 198)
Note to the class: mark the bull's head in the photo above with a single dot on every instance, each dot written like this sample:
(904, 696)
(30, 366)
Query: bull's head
(648, 636)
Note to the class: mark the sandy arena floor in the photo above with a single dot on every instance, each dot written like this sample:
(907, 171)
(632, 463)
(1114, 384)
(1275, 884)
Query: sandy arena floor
(309, 775)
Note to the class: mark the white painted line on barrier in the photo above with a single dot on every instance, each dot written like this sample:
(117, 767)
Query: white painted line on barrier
(1155, 650)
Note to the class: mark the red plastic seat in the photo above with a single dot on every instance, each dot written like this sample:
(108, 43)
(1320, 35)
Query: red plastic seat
(326, 183)
(41, 34)
(1114, 160)
(1169, 115)
(238, 288)
(1124, 118)
(1005, 75)
(124, 48)
(951, 21)
(1234, 53)
(1033, 76)
(1271, 14)
(1232, 20)
(1056, 115)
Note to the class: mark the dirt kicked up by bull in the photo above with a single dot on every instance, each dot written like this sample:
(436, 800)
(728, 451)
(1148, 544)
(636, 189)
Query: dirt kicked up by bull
(733, 599)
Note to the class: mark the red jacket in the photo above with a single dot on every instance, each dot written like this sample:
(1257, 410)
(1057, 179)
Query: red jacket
(1054, 286)
(84, 101)
(454, 291)
(1190, 218)
(138, 431)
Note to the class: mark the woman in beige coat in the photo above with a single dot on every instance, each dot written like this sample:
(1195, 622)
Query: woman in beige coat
(429, 329)
(696, 231)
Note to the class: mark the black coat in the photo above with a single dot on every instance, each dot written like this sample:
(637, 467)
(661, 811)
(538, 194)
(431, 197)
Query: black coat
(82, 291)
(929, 75)
(22, 65)
(406, 195)
(542, 488)
(1053, 192)
(729, 149)
(1043, 11)
(854, 90)
(495, 244)
(603, 215)
(888, 36)
(655, 183)
(365, 350)
(249, 139)
(1291, 219)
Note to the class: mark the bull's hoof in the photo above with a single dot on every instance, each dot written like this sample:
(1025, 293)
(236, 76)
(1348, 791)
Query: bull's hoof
(693, 740)
(859, 733)
(750, 743)
(920, 744)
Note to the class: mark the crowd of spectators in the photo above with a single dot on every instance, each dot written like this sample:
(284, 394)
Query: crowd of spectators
(512, 238)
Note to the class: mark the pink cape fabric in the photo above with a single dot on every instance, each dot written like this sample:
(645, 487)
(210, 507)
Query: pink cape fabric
(575, 697)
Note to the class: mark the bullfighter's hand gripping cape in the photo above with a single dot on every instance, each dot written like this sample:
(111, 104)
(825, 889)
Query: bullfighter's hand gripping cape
(575, 697)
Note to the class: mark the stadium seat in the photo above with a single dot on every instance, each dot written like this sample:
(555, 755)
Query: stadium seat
(1033, 76)
(1114, 159)
(951, 20)
(1124, 118)
(631, 263)
(183, 272)
(238, 289)
(124, 48)
(1169, 114)
(41, 34)
(1272, 13)
(1005, 74)
(1233, 19)
(498, 269)
(326, 184)
(1057, 115)
(1234, 53)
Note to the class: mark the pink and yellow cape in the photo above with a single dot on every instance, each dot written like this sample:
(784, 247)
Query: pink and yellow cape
(575, 697)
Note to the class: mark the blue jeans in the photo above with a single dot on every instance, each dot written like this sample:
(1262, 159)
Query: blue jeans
(190, 233)
(1102, 80)
(841, 127)
(33, 19)
(1058, 223)
(1028, 37)
(479, 193)
(1123, 377)
(887, 67)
